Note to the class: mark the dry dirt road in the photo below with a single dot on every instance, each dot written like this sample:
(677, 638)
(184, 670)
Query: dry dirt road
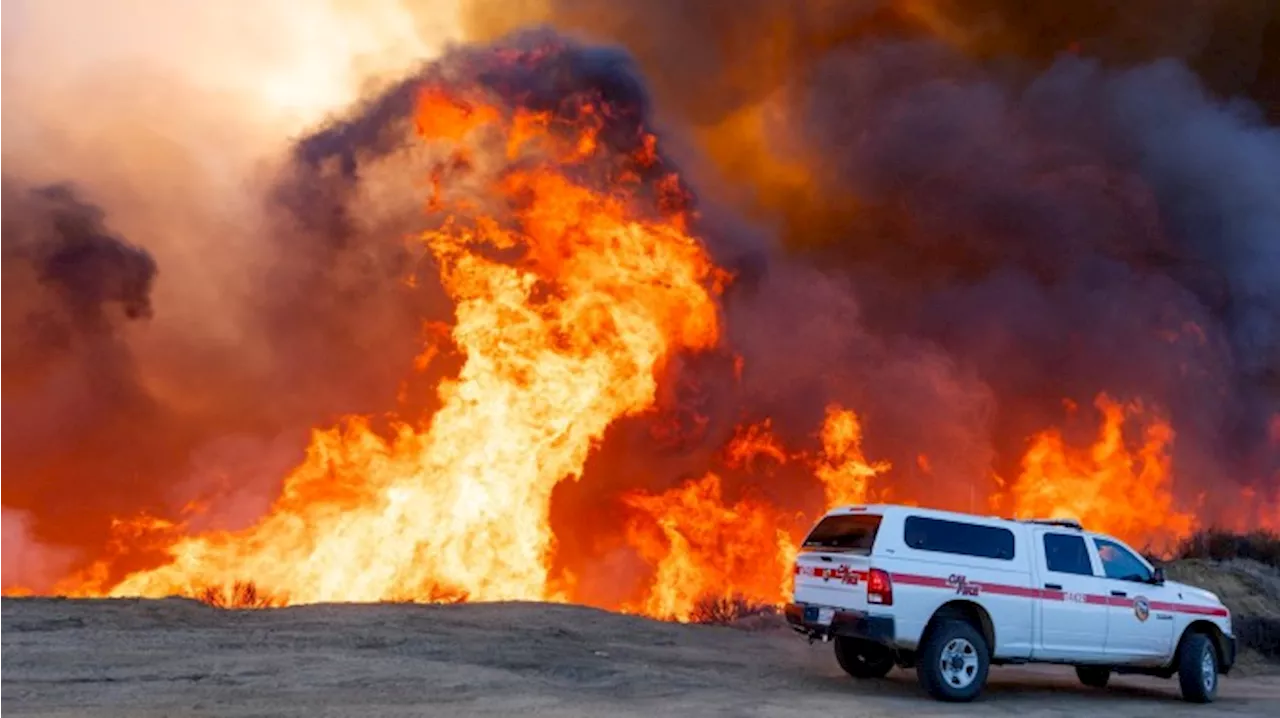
(179, 658)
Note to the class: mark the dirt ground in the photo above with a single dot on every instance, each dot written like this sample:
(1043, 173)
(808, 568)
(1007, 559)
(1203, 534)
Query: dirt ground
(180, 658)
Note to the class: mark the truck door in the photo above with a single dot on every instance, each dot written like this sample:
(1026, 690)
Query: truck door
(1135, 632)
(1071, 614)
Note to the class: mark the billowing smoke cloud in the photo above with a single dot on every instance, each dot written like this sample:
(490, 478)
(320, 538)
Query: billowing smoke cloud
(1024, 201)
(172, 328)
(71, 288)
(69, 284)
(1091, 229)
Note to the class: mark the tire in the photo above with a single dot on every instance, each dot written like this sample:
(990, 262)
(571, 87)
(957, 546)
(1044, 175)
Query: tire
(863, 659)
(1093, 676)
(1198, 669)
(967, 656)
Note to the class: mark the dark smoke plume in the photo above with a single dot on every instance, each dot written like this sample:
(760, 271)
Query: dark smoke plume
(72, 252)
(705, 60)
(1013, 204)
(69, 284)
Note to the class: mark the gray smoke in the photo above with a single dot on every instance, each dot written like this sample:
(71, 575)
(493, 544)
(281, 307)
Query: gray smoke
(1011, 204)
(70, 283)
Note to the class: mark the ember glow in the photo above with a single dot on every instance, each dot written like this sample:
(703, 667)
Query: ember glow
(538, 348)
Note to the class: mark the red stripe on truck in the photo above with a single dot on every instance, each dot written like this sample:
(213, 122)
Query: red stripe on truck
(1190, 608)
(961, 585)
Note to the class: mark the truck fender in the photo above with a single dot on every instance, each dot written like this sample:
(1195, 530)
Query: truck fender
(1208, 628)
(961, 610)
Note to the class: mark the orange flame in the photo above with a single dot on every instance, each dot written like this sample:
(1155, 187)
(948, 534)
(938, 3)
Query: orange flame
(558, 344)
(754, 442)
(575, 284)
(703, 548)
(844, 471)
(1109, 488)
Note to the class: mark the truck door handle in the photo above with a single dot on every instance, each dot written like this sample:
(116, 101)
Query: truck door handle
(1054, 586)
(1119, 593)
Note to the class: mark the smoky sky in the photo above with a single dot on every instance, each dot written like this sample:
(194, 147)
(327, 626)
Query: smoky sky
(1093, 226)
(1038, 202)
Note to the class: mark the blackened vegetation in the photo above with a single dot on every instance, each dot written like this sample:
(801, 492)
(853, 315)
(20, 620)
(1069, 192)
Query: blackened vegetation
(1217, 545)
(734, 610)
(1259, 633)
(239, 595)
(1244, 570)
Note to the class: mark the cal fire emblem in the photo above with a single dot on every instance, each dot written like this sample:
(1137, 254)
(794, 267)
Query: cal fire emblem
(1142, 608)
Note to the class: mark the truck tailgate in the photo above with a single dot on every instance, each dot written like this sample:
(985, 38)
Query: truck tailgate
(834, 560)
(832, 579)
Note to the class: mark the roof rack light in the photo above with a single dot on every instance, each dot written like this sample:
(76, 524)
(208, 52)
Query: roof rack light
(1062, 523)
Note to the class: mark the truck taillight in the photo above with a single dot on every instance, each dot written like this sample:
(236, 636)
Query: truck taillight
(879, 588)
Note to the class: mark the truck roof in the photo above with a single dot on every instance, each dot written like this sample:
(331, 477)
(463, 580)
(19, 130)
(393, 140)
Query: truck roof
(1069, 523)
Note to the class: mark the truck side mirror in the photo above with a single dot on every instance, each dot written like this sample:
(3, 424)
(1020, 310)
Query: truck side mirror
(1157, 577)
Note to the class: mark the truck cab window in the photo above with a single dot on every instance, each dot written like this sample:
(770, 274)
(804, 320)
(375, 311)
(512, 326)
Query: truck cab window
(1120, 563)
(1066, 553)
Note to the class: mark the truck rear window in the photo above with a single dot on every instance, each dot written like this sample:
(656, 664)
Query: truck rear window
(844, 532)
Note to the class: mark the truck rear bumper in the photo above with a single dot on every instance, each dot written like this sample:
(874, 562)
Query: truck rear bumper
(850, 624)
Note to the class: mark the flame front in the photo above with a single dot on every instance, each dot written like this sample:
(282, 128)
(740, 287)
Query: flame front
(558, 343)
(844, 471)
(703, 548)
(1108, 488)
(566, 248)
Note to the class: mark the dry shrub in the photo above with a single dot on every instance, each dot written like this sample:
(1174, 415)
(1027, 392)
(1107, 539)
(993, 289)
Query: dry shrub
(241, 594)
(1259, 633)
(430, 594)
(1260, 546)
(728, 610)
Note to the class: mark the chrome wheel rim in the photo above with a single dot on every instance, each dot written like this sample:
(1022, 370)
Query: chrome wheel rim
(1208, 670)
(959, 663)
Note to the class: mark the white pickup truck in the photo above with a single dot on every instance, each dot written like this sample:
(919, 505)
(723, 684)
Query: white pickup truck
(952, 594)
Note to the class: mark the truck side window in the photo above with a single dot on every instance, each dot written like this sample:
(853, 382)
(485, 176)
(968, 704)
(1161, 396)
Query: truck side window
(1065, 553)
(1120, 563)
(957, 537)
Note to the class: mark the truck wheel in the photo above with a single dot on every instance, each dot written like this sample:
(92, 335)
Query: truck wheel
(863, 659)
(953, 662)
(1093, 676)
(1198, 669)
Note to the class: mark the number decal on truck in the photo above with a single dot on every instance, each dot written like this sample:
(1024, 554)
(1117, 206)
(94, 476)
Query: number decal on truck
(963, 585)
